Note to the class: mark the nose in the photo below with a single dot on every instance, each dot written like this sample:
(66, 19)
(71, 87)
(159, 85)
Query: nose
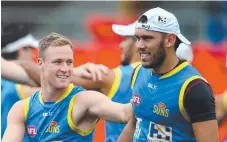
(64, 68)
(140, 44)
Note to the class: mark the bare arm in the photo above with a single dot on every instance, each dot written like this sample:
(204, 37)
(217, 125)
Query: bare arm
(101, 106)
(15, 124)
(15, 72)
(32, 70)
(92, 76)
(221, 106)
(206, 131)
(128, 132)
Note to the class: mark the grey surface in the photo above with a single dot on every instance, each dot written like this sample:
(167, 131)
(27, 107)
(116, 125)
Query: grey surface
(67, 17)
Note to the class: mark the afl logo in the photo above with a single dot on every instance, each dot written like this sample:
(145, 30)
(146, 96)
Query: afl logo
(136, 99)
(32, 131)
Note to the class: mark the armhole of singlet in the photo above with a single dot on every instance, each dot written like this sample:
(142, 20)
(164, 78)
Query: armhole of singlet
(72, 125)
(20, 92)
(26, 107)
(134, 75)
(116, 83)
(182, 93)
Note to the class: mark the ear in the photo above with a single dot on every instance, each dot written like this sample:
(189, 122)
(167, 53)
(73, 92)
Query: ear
(40, 63)
(170, 40)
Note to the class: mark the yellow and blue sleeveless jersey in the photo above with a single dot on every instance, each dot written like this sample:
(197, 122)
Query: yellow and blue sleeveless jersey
(10, 94)
(52, 121)
(158, 104)
(120, 92)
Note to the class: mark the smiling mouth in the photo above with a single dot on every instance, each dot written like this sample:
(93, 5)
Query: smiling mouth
(62, 76)
(145, 54)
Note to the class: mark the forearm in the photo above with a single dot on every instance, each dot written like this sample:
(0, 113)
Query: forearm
(32, 70)
(100, 105)
(126, 136)
(85, 83)
(15, 72)
(128, 132)
(93, 77)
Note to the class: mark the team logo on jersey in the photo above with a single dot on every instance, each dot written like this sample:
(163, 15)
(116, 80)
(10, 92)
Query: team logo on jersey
(161, 109)
(32, 131)
(152, 86)
(53, 127)
(136, 99)
(45, 114)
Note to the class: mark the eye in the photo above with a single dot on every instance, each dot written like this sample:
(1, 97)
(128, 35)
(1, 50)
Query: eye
(146, 38)
(57, 62)
(69, 62)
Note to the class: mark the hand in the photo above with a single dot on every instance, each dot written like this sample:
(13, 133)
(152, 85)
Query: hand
(91, 71)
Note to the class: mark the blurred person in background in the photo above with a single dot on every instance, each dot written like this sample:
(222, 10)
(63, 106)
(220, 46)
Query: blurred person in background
(165, 101)
(17, 46)
(20, 49)
(116, 84)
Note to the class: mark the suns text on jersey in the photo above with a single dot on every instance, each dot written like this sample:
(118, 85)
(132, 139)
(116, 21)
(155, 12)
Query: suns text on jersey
(53, 127)
(161, 109)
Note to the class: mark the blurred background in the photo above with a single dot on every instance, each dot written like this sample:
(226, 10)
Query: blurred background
(88, 25)
(198, 20)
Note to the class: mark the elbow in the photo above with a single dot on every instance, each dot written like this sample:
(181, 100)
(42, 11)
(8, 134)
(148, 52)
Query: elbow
(124, 119)
(127, 114)
(127, 117)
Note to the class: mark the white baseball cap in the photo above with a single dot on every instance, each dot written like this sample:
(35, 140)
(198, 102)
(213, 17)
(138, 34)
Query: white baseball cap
(124, 30)
(28, 40)
(185, 52)
(161, 20)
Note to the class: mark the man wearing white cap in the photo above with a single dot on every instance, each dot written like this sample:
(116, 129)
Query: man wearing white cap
(130, 54)
(171, 100)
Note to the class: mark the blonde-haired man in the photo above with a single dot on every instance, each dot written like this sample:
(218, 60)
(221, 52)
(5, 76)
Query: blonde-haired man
(60, 111)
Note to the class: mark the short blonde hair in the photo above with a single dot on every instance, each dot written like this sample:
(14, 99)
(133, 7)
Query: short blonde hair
(53, 39)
